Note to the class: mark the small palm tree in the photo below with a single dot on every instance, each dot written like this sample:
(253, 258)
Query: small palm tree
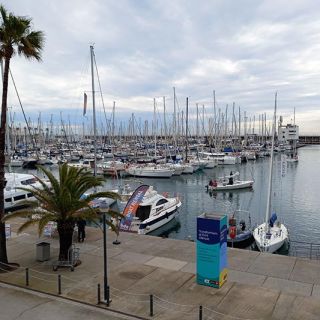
(16, 36)
(63, 201)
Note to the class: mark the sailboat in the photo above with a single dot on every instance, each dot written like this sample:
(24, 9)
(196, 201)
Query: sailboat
(271, 234)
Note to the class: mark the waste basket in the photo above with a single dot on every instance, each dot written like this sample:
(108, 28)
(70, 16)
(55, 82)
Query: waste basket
(43, 251)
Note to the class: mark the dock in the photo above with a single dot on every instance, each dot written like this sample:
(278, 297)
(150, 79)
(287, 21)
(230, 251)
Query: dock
(259, 286)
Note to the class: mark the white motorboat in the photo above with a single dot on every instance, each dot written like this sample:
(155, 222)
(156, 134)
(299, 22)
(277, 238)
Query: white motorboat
(111, 167)
(271, 235)
(230, 182)
(13, 196)
(153, 171)
(151, 213)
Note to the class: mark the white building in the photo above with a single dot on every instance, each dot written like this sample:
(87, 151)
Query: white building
(288, 134)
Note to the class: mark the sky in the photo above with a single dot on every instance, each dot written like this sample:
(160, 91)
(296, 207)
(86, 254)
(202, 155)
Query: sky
(244, 50)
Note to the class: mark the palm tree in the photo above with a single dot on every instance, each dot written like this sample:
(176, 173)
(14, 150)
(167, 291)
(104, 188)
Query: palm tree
(16, 36)
(62, 200)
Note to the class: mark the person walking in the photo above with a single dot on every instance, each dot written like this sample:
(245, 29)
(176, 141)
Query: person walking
(81, 230)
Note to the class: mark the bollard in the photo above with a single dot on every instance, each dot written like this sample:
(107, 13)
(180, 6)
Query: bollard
(27, 276)
(151, 305)
(59, 284)
(108, 296)
(99, 293)
(200, 312)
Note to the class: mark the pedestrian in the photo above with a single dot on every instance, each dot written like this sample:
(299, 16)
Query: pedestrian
(231, 178)
(81, 229)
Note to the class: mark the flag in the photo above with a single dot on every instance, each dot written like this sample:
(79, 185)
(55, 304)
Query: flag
(85, 104)
(132, 207)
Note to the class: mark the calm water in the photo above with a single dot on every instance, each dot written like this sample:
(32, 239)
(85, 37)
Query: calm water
(295, 197)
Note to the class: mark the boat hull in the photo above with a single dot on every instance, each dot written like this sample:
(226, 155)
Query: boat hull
(164, 218)
(235, 186)
(272, 240)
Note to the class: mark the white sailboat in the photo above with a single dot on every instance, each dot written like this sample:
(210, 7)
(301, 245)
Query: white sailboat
(272, 234)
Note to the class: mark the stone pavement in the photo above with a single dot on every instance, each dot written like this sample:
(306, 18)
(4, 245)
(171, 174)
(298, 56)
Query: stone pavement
(21, 304)
(260, 285)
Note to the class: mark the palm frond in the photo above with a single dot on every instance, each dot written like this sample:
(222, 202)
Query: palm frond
(43, 222)
(27, 224)
(25, 213)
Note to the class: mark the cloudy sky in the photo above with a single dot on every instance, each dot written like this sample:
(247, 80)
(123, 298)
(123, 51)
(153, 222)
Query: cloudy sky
(245, 50)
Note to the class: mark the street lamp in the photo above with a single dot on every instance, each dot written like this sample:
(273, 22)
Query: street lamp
(104, 207)
(106, 289)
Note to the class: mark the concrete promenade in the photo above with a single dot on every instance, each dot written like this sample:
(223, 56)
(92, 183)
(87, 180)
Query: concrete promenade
(260, 286)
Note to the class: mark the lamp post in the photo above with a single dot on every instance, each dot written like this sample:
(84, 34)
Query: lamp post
(106, 288)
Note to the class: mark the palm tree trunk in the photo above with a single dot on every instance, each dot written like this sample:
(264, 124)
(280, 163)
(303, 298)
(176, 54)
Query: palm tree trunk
(65, 230)
(3, 246)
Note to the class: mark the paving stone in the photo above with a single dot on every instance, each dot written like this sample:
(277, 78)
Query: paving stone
(306, 271)
(273, 265)
(166, 263)
(298, 288)
(246, 277)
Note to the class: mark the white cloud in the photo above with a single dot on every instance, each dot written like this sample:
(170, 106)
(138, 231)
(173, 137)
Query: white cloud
(245, 50)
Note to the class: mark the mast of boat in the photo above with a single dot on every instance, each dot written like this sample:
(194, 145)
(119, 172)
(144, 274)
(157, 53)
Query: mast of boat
(215, 121)
(154, 128)
(94, 113)
(174, 121)
(271, 163)
(187, 107)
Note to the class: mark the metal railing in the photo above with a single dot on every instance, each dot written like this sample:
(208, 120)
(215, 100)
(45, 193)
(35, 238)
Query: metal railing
(304, 249)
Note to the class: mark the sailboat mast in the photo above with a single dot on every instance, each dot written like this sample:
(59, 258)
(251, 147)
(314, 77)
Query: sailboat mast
(155, 128)
(271, 162)
(94, 113)
(187, 111)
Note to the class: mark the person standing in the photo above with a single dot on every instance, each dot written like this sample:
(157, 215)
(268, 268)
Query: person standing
(81, 230)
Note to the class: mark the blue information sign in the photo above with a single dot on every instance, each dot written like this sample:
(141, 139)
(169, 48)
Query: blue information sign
(211, 250)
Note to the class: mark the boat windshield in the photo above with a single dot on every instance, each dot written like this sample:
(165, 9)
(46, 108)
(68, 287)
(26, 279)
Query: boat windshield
(143, 212)
(29, 181)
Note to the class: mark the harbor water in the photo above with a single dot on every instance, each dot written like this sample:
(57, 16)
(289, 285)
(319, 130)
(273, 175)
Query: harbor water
(295, 195)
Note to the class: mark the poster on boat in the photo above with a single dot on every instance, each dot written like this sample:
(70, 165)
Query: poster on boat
(212, 250)
(132, 206)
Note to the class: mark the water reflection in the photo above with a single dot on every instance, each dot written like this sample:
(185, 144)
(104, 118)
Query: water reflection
(172, 226)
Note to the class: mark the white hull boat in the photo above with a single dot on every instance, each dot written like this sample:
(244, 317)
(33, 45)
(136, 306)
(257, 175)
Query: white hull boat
(230, 182)
(270, 239)
(13, 196)
(236, 185)
(271, 234)
(150, 172)
(154, 211)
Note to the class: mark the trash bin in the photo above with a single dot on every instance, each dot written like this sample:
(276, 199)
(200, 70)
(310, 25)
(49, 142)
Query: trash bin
(43, 251)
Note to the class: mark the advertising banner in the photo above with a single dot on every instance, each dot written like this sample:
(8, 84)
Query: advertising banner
(132, 206)
(212, 250)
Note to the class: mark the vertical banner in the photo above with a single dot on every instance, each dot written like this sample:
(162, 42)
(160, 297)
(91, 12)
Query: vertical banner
(132, 207)
(212, 250)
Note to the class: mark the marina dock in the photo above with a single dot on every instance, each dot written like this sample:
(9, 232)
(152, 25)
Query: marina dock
(259, 286)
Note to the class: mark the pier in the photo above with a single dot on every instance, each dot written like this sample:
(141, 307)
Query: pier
(259, 286)
(309, 139)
